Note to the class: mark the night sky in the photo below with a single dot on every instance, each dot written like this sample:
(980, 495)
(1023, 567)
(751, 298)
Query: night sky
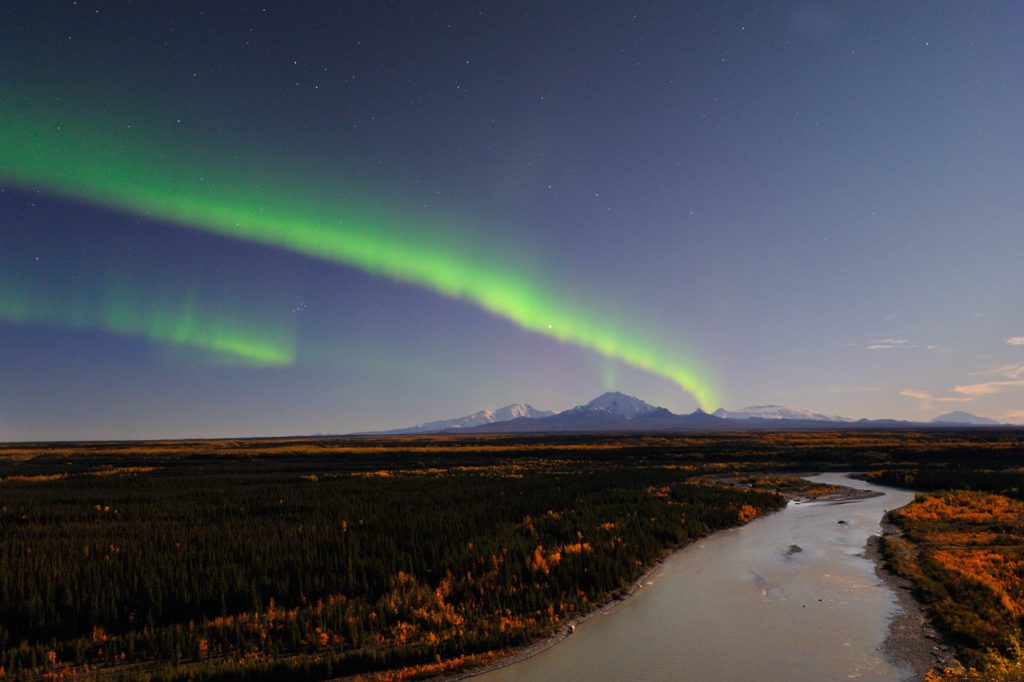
(296, 218)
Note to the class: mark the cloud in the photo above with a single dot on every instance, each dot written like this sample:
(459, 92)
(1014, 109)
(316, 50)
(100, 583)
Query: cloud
(1011, 371)
(885, 344)
(1013, 378)
(1015, 340)
(989, 387)
(931, 402)
(1013, 416)
(920, 395)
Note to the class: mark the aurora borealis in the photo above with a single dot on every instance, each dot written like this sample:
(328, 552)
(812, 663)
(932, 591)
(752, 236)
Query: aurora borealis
(85, 164)
(260, 220)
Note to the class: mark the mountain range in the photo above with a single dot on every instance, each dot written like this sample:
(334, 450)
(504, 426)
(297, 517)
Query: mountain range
(778, 412)
(502, 414)
(618, 412)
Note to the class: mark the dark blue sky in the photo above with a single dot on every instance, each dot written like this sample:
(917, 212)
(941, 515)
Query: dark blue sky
(806, 203)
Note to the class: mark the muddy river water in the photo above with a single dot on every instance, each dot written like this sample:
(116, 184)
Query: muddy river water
(787, 597)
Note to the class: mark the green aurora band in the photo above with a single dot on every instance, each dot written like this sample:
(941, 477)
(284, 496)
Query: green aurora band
(167, 319)
(118, 166)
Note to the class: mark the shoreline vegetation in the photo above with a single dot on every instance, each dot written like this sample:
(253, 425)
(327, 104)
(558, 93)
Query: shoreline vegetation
(959, 547)
(379, 558)
(912, 639)
(797, 490)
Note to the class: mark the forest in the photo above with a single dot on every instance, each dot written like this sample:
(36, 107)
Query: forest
(961, 543)
(386, 558)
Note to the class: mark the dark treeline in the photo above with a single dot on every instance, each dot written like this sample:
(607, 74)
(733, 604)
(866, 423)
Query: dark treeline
(1003, 482)
(317, 558)
(985, 448)
(317, 565)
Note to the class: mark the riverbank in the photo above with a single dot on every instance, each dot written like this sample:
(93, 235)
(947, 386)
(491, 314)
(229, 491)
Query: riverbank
(569, 626)
(833, 496)
(913, 640)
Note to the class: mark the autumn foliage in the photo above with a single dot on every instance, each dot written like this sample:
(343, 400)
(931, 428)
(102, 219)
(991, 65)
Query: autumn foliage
(136, 562)
(400, 558)
(965, 552)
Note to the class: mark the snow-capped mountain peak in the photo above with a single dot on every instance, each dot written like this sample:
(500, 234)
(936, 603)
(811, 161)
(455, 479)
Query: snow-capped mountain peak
(502, 414)
(778, 412)
(620, 404)
(618, 412)
(514, 411)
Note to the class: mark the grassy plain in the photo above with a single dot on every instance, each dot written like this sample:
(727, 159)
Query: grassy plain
(387, 558)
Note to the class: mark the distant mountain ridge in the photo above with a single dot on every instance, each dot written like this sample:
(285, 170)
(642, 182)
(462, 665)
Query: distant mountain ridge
(609, 412)
(960, 417)
(617, 412)
(778, 412)
(502, 414)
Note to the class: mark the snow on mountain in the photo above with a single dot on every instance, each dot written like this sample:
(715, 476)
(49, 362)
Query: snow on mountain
(960, 417)
(618, 412)
(517, 410)
(502, 414)
(778, 412)
(619, 404)
(611, 412)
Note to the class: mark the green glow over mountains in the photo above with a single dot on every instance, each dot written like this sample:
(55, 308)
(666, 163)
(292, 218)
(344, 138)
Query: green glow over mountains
(121, 166)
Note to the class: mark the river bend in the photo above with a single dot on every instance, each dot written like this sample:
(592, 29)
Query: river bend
(789, 596)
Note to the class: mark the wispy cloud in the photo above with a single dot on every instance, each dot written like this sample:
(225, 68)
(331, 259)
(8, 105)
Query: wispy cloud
(1015, 340)
(1011, 371)
(1013, 416)
(920, 395)
(896, 343)
(989, 387)
(930, 402)
(886, 344)
(1012, 379)
(1015, 371)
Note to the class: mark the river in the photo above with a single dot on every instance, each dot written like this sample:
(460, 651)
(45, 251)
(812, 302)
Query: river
(789, 596)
